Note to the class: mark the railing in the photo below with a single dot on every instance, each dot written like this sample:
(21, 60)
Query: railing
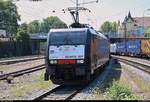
(38, 36)
(121, 35)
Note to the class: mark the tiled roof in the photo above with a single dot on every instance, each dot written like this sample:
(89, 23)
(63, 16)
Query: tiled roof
(140, 21)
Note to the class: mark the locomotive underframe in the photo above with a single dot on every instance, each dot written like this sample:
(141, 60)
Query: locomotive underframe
(69, 74)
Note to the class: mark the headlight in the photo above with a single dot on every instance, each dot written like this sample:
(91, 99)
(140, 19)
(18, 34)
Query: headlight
(53, 62)
(80, 61)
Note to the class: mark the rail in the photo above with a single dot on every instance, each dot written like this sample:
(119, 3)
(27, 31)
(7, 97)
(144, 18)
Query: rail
(12, 61)
(61, 93)
(138, 65)
(22, 72)
(67, 92)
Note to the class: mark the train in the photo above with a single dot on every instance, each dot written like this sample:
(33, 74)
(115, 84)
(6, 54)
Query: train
(132, 47)
(74, 54)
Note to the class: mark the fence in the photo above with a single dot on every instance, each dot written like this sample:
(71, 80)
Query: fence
(8, 48)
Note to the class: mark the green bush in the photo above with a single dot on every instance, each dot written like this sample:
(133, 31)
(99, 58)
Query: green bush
(119, 91)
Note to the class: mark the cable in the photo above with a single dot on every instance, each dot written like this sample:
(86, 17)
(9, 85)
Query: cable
(72, 1)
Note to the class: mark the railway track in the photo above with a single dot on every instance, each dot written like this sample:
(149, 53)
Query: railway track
(138, 65)
(67, 92)
(61, 93)
(64, 92)
(22, 72)
(12, 61)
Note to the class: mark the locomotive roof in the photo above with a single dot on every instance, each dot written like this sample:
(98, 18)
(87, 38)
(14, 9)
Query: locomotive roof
(68, 29)
(80, 29)
(102, 35)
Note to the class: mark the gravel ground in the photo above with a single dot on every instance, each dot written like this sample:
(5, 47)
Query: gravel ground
(87, 93)
(25, 87)
(138, 80)
(140, 73)
(97, 89)
(29, 86)
(19, 66)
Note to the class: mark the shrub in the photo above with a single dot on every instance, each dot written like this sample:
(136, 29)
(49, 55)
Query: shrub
(119, 91)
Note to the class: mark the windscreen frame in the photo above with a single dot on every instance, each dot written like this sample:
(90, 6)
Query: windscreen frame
(73, 37)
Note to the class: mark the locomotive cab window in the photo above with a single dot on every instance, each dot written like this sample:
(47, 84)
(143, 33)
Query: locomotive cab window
(68, 38)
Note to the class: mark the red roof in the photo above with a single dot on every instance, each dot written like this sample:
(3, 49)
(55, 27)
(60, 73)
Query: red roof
(140, 21)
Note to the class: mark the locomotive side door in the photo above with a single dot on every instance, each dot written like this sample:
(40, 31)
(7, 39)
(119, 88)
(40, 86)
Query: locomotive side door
(93, 53)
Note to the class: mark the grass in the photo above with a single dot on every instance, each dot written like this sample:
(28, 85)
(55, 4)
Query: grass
(114, 87)
(117, 90)
(21, 89)
(4, 68)
(120, 91)
(99, 91)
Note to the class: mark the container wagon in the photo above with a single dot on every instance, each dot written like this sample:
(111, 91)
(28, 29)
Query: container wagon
(133, 47)
(121, 48)
(145, 47)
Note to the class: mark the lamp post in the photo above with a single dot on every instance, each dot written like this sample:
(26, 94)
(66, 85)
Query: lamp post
(125, 33)
(143, 18)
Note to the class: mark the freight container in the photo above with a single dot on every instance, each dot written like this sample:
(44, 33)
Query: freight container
(113, 48)
(133, 47)
(145, 46)
(121, 48)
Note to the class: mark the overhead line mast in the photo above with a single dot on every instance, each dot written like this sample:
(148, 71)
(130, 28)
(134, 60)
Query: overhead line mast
(75, 10)
(77, 13)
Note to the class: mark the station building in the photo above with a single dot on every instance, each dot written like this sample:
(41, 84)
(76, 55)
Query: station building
(136, 27)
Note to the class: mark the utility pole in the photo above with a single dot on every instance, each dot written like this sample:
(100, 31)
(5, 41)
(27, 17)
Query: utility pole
(77, 13)
(125, 33)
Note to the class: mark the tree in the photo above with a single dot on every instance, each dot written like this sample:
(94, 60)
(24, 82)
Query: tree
(106, 27)
(114, 27)
(148, 32)
(34, 27)
(52, 22)
(45, 25)
(109, 27)
(23, 40)
(24, 26)
(9, 16)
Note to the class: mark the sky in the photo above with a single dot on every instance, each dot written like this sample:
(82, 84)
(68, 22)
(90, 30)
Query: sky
(105, 10)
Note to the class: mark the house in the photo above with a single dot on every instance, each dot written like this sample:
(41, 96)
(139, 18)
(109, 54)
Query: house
(134, 27)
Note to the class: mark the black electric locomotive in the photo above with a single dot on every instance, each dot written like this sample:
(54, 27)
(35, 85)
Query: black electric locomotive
(74, 54)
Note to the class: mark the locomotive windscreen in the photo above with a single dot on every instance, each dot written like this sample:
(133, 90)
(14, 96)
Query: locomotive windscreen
(65, 38)
(67, 45)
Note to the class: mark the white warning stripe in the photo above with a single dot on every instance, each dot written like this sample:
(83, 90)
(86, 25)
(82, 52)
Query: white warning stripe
(67, 52)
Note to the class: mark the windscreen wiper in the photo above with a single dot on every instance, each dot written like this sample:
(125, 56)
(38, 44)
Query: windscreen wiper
(67, 39)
